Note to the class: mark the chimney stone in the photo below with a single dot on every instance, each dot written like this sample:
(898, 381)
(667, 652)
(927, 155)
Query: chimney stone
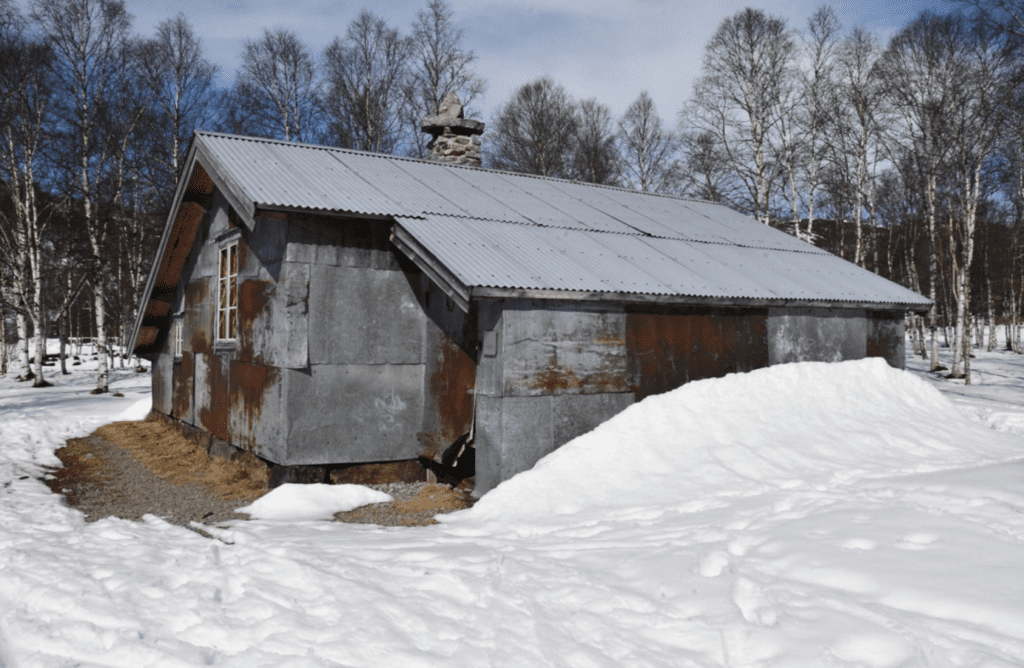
(454, 139)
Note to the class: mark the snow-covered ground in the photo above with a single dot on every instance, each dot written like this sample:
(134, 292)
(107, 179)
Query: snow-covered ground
(804, 515)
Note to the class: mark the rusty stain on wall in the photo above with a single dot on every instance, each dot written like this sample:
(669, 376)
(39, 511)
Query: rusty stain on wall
(667, 348)
(215, 418)
(554, 378)
(253, 299)
(181, 397)
(195, 330)
(249, 386)
(450, 385)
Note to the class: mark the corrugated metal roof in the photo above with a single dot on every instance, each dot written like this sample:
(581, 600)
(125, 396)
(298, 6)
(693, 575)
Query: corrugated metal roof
(502, 230)
(502, 255)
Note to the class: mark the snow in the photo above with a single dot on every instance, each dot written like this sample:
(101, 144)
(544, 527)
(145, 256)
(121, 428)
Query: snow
(803, 515)
(295, 503)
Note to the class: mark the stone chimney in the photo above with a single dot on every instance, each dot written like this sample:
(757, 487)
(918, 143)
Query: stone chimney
(455, 139)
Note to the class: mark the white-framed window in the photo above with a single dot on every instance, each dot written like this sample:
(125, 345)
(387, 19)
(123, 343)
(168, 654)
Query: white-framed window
(227, 293)
(176, 335)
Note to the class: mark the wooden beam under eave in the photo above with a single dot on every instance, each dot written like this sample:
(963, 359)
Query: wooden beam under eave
(157, 309)
(146, 336)
(179, 245)
(200, 182)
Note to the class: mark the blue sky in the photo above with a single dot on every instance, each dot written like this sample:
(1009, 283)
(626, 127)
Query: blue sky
(609, 49)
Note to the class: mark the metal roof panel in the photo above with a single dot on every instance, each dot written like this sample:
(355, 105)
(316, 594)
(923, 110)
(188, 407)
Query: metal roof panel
(502, 255)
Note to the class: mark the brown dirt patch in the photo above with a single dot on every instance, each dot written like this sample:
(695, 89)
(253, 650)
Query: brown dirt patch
(83, 461)
(97, 477)
(180, 460)
(433, 497)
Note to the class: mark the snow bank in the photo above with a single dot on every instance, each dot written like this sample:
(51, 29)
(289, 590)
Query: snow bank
(293, 503)
(784, 427)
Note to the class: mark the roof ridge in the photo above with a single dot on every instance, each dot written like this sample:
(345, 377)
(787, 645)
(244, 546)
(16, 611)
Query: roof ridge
(406, 158)
(427, 215)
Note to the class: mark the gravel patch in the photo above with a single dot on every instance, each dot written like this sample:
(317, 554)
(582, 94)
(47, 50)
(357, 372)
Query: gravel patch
(102, 479)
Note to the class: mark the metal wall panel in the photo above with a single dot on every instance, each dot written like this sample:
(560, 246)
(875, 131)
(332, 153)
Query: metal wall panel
(354, 413)
(668, 347)
(163, 378)
(257, 419)
(183, 373)
(887, 337)
(363, 316)
(570, 349)
(816, 335)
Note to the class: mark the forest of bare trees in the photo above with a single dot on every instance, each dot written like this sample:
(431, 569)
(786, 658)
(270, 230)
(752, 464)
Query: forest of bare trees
(905, 157)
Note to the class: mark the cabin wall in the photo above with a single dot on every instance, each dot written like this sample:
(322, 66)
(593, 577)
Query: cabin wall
(670, 346)
(232, 389)
(887, 337)
(816, 335)
(392, 361)
(548, 372)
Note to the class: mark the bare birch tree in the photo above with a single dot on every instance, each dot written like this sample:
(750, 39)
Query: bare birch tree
(748, 64)
(181, 83)
(278, 87)
(919, 74)
(26, 99)
(535, 130)
(649, 150)
(705, 170)
(980, 109)
(820, 44)
(595, 155)
(439, 64)
(854, 127)
(366, 76)
(93, 52)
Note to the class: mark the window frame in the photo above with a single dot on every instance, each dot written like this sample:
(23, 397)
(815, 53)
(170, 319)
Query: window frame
(226, 316)
(177, 335)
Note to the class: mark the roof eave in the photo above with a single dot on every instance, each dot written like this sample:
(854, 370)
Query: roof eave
(444, 278)
(482, 292)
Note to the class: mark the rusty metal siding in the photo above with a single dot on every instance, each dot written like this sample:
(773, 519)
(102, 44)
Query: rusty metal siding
(256, 420)
(547, 373)
(163, 375)
(450, 358)
(183, 389)
(668, 347)
(887, 337)
(213, 394)
(816, 335)
(569, 349)
(363, 316)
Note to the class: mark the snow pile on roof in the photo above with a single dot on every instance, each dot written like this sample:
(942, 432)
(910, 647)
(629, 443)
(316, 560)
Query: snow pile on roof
(294, 503)
(784, 427)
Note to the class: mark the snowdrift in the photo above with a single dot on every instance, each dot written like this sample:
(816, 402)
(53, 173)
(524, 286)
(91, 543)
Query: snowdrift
(787, 426)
